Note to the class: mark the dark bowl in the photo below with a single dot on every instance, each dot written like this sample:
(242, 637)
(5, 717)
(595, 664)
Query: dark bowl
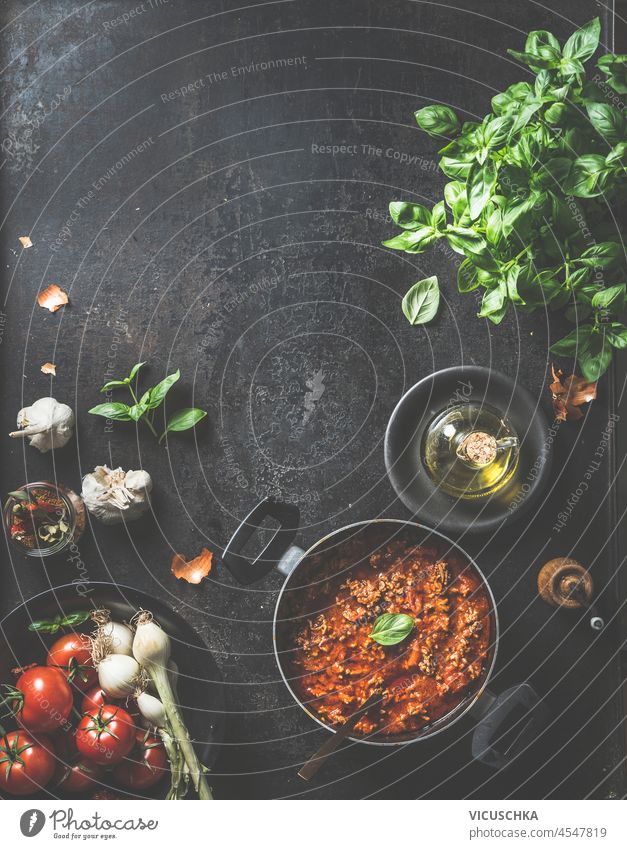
(403, 450)
(200, 689)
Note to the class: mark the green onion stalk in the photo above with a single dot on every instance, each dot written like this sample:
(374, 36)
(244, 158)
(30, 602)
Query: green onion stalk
(151, 648)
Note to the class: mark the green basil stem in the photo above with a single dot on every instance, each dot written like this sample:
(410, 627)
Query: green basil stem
(159, 676)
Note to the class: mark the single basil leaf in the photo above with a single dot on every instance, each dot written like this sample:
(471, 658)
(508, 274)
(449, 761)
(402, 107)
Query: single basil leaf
(536, 63)
(391, 628)
(616, 154)
(438, 216)
(463, 239)
(568, 345)
(601, 255)
(117, 412)
(158, 392)
(455, 196)
(184, 419)
(611, 299)
(582, 43)
(512, 285)
(413, 241)
(410, 216)
(467, 277)
(594, 359)
(481, 183)
(112, 384)
(616, 335)
(493, 305)
(137, 411)
(457, 166)
(586, 177)
(421, 302)
(134, 370)
(437, 120)
(608, 121)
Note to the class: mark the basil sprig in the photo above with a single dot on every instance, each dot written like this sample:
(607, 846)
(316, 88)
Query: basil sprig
(391, 628)
(52, 626)
(143, 409)
(535, 192)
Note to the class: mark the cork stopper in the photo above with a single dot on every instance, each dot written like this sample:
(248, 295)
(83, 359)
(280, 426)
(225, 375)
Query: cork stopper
(478, 448)
(564, 582)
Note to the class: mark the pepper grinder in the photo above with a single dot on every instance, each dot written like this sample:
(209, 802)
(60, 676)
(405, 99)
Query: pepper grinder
(563, 582)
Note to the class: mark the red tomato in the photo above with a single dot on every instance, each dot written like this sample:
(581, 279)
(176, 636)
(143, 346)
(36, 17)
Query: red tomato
(26, 764)
(105, 736)
(145, 766)
(72, 656)
(77, 778)
(43, 699)
(94, 699)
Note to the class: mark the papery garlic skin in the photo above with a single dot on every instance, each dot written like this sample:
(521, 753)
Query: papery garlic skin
(115, 496)
(46, 424)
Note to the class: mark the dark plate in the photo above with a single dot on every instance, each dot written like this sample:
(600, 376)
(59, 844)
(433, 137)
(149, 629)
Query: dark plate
(403, 440)
(199, 685)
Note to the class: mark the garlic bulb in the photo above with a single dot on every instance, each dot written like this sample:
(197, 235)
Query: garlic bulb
(115, 496)
(46, 423)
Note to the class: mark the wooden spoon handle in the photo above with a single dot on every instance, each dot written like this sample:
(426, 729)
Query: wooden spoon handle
(317, 760)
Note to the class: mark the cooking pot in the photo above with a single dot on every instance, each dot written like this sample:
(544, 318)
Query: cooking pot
(506, 723)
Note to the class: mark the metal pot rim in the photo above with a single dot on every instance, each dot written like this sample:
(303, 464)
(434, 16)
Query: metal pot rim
(487, 674)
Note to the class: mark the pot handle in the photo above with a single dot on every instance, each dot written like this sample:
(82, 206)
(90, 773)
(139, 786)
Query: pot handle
(278, 552)
(508, 723)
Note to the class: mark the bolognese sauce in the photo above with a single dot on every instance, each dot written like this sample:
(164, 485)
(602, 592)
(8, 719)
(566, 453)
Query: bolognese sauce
(336, 665)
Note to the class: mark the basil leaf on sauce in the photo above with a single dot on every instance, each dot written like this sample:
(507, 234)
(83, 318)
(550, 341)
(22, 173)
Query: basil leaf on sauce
(391, 628)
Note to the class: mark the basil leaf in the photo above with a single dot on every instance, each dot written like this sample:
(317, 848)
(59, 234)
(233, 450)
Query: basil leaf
(582, 43)
(611, 299)
(414, 242)
(410, 216)
(511, 99)
(608, 121)
(438, 216)
(137, 411)
(512, 285)
(134, 371)
(457, 166)
(117, 412)
(586, 177)
(51, 626)
(481, 182)
(615, 66)
(543, 44)
(462, 239)
(569, 344)
(437, 120)
(594, 358)
(113, 383)
(421, 302)
(616, 335)
(158, 392)
(494, 304)
(467, 277)
(184, 420)
(600, 255)
(616, 154)
(391, 628)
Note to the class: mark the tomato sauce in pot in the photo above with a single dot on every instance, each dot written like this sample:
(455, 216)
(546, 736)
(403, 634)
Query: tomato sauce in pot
(335, 666)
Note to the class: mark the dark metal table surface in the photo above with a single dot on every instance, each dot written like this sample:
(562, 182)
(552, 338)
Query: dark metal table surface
(174, 164)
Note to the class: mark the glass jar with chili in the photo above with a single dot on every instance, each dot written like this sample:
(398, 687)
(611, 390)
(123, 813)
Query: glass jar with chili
(44, 518)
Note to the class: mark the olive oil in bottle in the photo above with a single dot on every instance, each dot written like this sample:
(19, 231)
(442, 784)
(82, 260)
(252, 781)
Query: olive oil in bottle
(470, 450)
